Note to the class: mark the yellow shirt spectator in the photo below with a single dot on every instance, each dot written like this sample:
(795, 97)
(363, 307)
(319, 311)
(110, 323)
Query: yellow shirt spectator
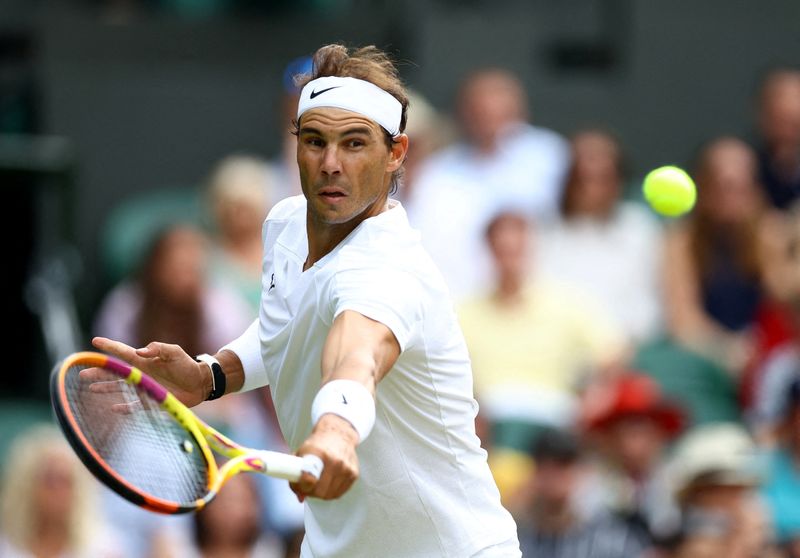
(528, 357)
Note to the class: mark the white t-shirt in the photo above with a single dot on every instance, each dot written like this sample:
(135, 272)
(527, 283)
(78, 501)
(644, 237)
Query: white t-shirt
(524, 174)
(617, 262)
(425, 488)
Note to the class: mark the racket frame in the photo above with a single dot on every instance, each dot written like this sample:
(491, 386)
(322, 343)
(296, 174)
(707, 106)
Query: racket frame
(240, 459)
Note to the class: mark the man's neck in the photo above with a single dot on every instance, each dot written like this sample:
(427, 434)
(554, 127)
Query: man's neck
(324, 237)
(509, 290)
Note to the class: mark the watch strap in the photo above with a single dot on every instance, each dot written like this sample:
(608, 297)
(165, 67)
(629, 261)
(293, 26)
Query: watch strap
(217, 376)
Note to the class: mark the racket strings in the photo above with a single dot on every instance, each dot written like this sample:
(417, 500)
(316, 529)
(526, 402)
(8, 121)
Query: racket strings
(136, 438)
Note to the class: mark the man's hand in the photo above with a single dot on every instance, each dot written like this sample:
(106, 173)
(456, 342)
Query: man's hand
(334, 440)
(169, 365)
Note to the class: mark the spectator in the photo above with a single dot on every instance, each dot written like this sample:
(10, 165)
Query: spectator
(171, 301)
(779, 125)
(502, 162)
(47, 504)
(714, 471)
(780, 363)
(551, 525)
(242, 191)
(605, 246)
(782, 487)
(780, 250)
(230, 526)
(712, 275)
(530, 341)
(428, 131)
(631, 423)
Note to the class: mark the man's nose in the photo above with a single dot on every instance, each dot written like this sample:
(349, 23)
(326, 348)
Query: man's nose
(330, 161)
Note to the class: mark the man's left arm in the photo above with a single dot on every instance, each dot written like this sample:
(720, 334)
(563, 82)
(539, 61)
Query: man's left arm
(358, 353)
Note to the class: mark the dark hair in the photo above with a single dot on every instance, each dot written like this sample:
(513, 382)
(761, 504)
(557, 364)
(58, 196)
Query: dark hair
(703, 230)
(556, 445)
(159, 318)
(367, 63)
(571, 183)
(509, 214)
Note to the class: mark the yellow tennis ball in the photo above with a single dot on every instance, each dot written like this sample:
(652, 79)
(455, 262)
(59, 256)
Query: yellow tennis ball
(670, 191)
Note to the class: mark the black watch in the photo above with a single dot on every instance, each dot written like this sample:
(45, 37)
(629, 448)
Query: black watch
(217, 376)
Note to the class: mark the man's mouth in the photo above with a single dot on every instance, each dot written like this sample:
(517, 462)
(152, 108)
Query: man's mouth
(332, 193)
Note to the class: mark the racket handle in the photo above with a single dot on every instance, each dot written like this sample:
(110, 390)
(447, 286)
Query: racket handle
(290, 467)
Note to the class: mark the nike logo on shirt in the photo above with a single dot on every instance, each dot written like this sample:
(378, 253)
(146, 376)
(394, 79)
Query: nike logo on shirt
(321, 91)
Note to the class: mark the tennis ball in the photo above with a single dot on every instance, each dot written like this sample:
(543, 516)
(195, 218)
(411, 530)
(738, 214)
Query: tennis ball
(669, 190)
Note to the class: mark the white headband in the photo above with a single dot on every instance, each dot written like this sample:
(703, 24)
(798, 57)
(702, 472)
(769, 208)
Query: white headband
(355, 95)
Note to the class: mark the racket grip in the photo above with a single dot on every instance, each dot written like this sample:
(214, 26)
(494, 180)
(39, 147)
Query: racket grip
(290, 467)
(313, 465)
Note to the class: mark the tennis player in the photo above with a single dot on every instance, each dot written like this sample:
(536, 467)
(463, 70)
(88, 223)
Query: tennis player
(358, 340)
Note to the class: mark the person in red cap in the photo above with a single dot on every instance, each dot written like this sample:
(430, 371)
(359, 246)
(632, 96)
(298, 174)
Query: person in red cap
(630, 423)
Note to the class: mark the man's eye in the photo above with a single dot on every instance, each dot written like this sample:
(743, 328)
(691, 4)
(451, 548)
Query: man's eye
(314, 141)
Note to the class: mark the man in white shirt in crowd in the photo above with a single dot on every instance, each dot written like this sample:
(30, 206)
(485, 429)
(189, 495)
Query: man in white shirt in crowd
(503, 162)
(358, 340)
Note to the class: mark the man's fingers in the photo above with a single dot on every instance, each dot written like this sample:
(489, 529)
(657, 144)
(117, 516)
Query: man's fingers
(152, 350)
(95, 374)
(307, 482)
(330, 486)
(116, 348)
(107, 386)
(304, 486)
(341, 485)
(127, 408)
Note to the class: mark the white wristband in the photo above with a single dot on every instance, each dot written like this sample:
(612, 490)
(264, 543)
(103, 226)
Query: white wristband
(348, 399)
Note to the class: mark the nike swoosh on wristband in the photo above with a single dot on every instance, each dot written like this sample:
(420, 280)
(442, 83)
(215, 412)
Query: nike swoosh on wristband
(321, 91)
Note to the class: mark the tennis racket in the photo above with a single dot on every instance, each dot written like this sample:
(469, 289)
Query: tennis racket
(139, 440)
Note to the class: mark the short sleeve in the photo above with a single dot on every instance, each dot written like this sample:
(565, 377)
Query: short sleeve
(386, 295)
(248, 348)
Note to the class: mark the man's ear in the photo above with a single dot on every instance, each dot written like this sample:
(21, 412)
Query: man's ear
(398, 153)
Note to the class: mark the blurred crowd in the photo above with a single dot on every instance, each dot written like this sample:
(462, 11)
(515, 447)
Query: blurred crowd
(638, 377)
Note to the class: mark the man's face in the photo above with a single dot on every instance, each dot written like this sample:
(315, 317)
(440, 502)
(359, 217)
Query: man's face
(637, 443)
(555, 482)
(488, 104)
(780, 111)
(345, 165)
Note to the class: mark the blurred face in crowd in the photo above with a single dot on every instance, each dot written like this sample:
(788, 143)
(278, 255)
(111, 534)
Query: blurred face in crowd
(489, 102)
(234, 515)
(178, 266)
(719, 498)
(636, 443)
(345, 165)
(508, 238)
(779, 117)
(743, 527)
(54, 496)
(596, 174)
(555, 482)
(728, 190)
(239, 190)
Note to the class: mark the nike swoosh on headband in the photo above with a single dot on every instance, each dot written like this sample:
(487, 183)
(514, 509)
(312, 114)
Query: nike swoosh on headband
(321, 91)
